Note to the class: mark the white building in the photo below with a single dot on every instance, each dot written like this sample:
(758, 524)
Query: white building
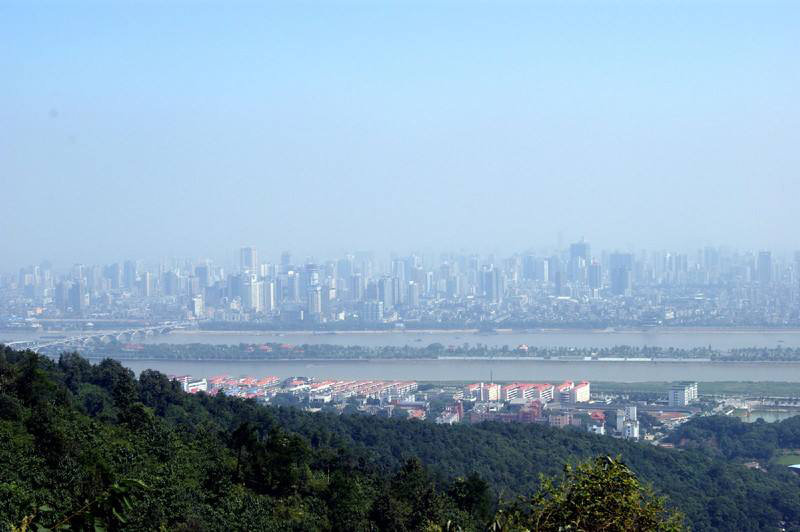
(197, 386)
(631, 430)
(597, 429)
(682, 393)
(580, 392)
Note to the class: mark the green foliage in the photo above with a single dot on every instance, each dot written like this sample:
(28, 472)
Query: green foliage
(599, 495)
(735, 439)
(73, 433)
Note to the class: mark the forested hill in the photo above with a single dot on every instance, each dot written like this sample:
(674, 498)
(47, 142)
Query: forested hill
(735, 439)
(78, 436)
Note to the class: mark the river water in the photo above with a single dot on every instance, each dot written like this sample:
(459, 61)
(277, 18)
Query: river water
(483, 370)
(656, 337)
(533, 370)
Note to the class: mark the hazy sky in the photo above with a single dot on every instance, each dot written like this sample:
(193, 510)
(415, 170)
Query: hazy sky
(148, 129)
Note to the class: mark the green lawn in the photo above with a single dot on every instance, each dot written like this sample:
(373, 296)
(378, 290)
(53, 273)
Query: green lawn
(788, 459)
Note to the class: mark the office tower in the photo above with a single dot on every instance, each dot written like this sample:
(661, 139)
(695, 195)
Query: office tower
(129, 275)
(620, 270)
(203, 274)
(579, 255)
(170, 283)
(452, 287)
(286, 262)
(764, 268)
(595, 276)
(310, 276)
(398, 291)
(413, 294)
(197, 306)
(78, 272)
(372, 311)
(428, 283)
(287, 287)
(529, 267)
(248, 259)
(558, 284)
(113, 273)
(192, 286)
(314, 301)
(251, 292)
(356, 287)
(146, 284)
(797, 269)
(553, 266)
(491, 284)
(345, 267)
(268, 296)
(62, 295)
(77, 296)
(386, 292)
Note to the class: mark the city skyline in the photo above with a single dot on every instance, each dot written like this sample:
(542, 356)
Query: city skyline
(232, 259)
(577, 285)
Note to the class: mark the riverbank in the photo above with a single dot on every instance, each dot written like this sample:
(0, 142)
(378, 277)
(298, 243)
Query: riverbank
(481, 370)
(117, 356)
(479, 332)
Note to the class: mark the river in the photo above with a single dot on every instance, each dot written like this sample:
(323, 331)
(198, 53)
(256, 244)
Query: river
(682, 338)
(534, 370)
(722, 339)
(483, 370)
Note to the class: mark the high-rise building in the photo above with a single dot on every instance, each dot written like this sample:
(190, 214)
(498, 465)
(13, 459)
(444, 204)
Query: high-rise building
(413, 294)
(197, 306)
(113, 273)
(595, 276)
(314, 301)
(268, 296)
(251, 292)
(129, 275)
(529, 267)
(78, 296)
(286, 262)
(491, 284)
(620, 271)
(386, 292)
(372, 311)
(62, 295)
(146, 284)
(682, 393)
(579, 256)
(764, 268)
(356, 287)
(203, 274)
(248, 259)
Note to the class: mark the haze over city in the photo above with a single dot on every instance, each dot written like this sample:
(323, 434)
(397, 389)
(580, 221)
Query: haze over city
(151, 131)
(400, 265)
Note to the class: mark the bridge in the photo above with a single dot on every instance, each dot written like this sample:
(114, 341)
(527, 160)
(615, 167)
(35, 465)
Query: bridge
(97, 337)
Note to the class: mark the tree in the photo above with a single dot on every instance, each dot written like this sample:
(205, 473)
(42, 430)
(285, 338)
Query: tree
(603, 494)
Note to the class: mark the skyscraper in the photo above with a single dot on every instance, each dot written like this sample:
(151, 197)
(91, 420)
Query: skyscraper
(578, 260)
(129, 274)
(248, 259)
(386, 292)
(620, 267)
(251, 292)
(764, 268)
(314, 301)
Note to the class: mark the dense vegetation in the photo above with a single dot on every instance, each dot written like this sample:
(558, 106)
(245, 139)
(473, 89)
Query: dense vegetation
(272, 351)
(734, 439)
(91, 441)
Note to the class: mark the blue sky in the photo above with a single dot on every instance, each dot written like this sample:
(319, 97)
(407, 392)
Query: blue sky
(154, 129)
